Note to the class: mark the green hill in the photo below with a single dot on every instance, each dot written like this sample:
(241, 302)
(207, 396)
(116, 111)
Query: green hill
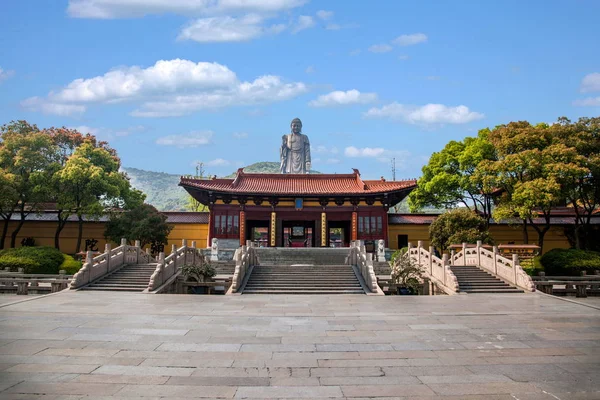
(163, 193)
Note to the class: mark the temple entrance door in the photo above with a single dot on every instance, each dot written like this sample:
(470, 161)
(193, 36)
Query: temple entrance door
(338, 234)
(298, 233)
(258, 232)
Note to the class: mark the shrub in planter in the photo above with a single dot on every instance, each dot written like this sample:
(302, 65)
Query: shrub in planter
(406, 273)
(34, 260)
(570, 261)
(198, 272)
(70, 265)
(532, 266)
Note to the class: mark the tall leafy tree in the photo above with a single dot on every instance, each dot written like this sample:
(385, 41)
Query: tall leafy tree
(532, 169)
(144, 223)
(28, 157)
(89, 183)
(458, 226)
(581, 183)
(449, 179)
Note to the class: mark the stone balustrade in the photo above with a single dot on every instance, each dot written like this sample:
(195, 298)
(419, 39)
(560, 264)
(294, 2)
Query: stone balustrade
(168, 268)
(435, 268)
(509, 270)
(110, 260)
(359, 257)
(245, 258)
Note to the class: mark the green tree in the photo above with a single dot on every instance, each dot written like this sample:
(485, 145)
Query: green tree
(582, 188)
(88, 184)
(449, 179)
(27, 159)
(144, 223)
(456, 226)
(532, 170)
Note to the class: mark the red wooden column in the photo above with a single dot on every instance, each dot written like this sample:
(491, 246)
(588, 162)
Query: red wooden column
(242, 227)
(354, 226)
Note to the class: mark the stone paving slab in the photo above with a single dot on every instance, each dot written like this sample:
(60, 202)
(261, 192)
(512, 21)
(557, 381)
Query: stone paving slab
(102, 345)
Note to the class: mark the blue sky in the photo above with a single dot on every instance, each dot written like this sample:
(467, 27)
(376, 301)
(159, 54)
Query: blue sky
(172, 82)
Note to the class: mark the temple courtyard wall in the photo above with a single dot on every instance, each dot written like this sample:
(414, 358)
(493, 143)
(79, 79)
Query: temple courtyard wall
(43, 233)
(106, 345)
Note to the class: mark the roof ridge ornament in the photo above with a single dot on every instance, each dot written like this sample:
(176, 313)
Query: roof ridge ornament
(238, 175)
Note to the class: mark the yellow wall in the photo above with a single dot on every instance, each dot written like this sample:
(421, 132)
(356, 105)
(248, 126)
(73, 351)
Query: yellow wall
(414, 232)
(502, 234)
(43, 233)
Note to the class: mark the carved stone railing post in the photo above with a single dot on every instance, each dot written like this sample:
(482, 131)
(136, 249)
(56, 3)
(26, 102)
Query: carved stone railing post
(495, 253)
(479, 252)
(419, 246)
(138, 246)
(515, 260)
(444, 265)
(430, 259)
(107, 252)
(185, 255)
(452, 254)
(464, 251)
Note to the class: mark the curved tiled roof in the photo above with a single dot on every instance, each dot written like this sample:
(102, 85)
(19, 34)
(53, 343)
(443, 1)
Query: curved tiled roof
(309, 184)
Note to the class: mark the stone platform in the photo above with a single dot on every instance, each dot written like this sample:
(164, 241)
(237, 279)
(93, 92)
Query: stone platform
(106, 345)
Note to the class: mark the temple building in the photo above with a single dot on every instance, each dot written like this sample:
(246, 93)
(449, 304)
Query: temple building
(297, 210)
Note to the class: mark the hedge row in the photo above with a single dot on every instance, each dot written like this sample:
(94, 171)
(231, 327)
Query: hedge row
(38, 260)
(570, 262)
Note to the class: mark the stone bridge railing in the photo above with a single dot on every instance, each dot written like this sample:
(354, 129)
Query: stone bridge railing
(167, 268)
(245, 258)
(509, 270)
(359, 257)
(435, 268)
(112, 259)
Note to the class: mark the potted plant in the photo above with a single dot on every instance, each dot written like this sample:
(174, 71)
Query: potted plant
(198, 273)
(406, 273)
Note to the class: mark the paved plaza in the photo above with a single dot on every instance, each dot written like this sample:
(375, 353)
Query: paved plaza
(103, 345)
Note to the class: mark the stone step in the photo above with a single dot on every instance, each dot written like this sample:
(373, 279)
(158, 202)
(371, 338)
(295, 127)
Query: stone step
(308, 285)
(508, 290)
(300, 291)
(113, 289)
(129, 285)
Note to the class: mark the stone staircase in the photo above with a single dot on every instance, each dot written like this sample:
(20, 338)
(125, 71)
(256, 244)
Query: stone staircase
(130, 278)
(302, 271)
(472, 279)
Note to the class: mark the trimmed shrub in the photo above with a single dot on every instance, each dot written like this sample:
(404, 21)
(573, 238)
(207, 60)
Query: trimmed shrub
(532, 266)
(13, 263)
(34, 260)
(70, 265)
(570, 261)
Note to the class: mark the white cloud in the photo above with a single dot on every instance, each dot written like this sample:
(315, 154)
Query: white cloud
(107, 133)
(266, 89)
(333, 27)
(352, 151)
(355, 52)
(380, 48)
(168, 88)
(40, 105)
(4, 74)
(108, 9)
(591, 83)
(304, 22)
(192, 139)
(223, 29)
(310, 70)
(324, 15)
(324, 150)
(403, 57)
(427, 114)
(339, 98)
(219, 162)
(588, 102)
(240, 135)
(332, 161)
(410, 40)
